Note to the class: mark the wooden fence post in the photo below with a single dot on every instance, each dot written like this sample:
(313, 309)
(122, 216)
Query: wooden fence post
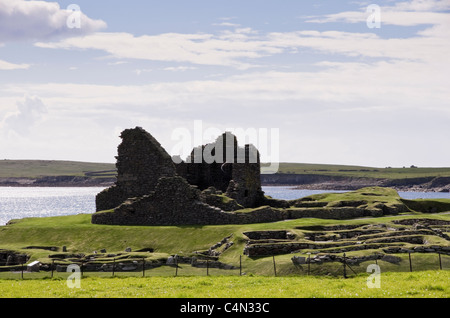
(240, 265)
(440, 262)
(114, 266)
(345, 271)
(309, 263)
(143, 267)
(410, 264)
(274, 266)
(176, 265)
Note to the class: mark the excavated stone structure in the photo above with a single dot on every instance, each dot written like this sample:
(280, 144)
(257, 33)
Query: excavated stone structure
(141, 161)
(152, 190)
(231, 169)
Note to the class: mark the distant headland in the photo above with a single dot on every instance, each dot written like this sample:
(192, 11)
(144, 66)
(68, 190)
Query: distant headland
(58, 173)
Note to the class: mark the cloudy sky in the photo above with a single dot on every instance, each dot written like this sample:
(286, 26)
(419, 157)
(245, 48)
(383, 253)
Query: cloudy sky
(339, 89)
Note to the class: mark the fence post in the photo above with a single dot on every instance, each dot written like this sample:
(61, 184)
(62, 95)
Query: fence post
(410, 264)
(440, 262)
(309, 263)
(53, 266)
(274, 266)
(207, 267)
(240, 265)
(114, 266)
(345, 271)
(22, 269)
(176, 265)
(143, 267)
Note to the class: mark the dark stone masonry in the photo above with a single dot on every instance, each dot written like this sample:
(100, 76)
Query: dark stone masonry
(141, 161)
(153, 190)
(219, 183)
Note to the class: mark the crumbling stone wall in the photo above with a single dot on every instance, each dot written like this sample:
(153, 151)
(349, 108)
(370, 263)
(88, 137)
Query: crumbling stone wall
(176, 202)
(152, 190)
(227, 167)
(141, 161)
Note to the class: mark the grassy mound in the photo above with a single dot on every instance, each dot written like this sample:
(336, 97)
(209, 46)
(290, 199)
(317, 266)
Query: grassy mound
(371, 197)
(413, 230)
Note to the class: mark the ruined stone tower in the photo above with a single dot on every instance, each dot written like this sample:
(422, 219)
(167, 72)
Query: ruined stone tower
(141, 161)
(152, 190)
(234, 170)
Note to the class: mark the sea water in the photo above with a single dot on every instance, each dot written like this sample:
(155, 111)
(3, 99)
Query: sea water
(22, 202)
(290, 193)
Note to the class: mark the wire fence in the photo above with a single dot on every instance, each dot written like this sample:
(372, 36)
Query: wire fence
(281, 265)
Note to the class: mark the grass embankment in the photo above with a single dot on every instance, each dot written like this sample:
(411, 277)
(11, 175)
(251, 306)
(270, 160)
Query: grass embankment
(39, 168)
(363, 172)
(392, 285)
(36, 236)
(80, 236)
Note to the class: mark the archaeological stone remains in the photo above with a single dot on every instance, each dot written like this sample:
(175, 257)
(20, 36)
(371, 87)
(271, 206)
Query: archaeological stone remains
(153, 190)
(219, 183)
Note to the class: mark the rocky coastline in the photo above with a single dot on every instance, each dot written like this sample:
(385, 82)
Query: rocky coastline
(57, 181)
(325, 182)
(307, 182)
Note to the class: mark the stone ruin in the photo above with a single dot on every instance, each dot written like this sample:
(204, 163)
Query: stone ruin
(213, 186)
(151, 189)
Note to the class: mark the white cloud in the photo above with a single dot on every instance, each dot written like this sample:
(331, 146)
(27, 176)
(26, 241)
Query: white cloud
(179, 68)
(423, 5)
(41, 20)
(392, 94)
(430, 48)
(355, 108)
(142, 70)
(227, 24)
(240, 47)
(413, 13)
(11, 66)
(28, 113)
(202, 49)
(395, 84)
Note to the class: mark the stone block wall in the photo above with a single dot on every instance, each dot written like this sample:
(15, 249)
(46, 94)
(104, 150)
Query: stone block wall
(141, 161)
(152, 190)
(174, 202)
(235, 170)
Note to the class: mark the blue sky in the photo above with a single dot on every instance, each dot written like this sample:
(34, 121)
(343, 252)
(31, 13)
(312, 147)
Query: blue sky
(337, 91)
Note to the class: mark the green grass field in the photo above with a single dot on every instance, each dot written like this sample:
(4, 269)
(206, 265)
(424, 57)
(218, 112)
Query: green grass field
(36, 168)
(433, 284)
(263, 275)
(363, 172)
(80, 236)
